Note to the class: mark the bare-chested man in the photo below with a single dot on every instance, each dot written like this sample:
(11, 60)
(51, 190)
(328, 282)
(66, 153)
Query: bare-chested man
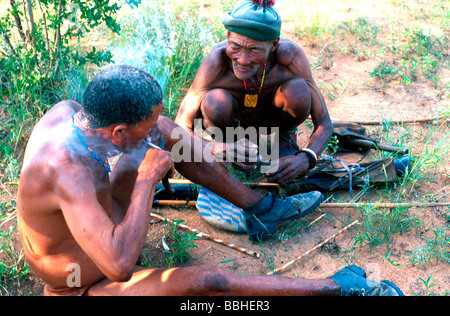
(83, 225)
(256, 79)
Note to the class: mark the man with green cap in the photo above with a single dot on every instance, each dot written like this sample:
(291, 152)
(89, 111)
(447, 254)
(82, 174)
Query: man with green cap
(256, 79)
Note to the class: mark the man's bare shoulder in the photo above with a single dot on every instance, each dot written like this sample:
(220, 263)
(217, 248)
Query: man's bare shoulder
(50, 147)
(68, 105)
(212, 70)
(217, 57)
(58, 113)
(293, 58)
(287, 52)
(40, 179)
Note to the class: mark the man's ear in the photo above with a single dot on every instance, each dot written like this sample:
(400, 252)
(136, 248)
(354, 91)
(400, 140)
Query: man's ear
(274, 45)
(119, 131)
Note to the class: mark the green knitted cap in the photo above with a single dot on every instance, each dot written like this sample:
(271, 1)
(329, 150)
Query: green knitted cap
(255, 19)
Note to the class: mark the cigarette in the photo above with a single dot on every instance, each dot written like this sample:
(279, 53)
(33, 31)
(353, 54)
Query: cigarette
(152, 145)
(165, 180)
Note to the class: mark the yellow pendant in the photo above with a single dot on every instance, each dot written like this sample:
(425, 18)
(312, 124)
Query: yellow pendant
(251, 100)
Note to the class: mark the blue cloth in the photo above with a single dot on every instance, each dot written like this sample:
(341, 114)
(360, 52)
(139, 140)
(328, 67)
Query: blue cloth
(219, 212)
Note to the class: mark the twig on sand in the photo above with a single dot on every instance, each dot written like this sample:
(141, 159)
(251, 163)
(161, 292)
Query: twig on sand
(412, 121)
(323, 205)
(290, 263)
(208, 237)
(381, 205)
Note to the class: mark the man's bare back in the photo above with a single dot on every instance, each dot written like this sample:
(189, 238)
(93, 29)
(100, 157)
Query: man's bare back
(53, 158)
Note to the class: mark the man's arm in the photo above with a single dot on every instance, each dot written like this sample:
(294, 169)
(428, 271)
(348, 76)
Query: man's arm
(294, 59)
(210, 71)
(190, 108)
(323, 128)
(113, 248)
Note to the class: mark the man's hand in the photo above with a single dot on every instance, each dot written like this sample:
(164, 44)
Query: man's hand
(155, 136)
(243, 155)
(157, 164)
(289, 168)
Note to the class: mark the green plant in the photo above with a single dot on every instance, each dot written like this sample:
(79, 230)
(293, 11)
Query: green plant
(178, 243)
(13, 265)
(47, 31)
(313, 30)
(391, 261)
(167, 42)
(436, 249)
(427, 285)
(428, 159)
(382, 226)
(42, 62)
(333, 145)
(420, 43)
(422, 53)
(359, 35)
(385, 72)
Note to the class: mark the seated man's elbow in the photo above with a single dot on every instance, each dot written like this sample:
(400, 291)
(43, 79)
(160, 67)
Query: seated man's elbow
(330, 129)
(325, 127)
(120, 271)
(120, 276)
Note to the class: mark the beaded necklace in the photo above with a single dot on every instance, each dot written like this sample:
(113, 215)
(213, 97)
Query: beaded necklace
(251, 99)
(105, 165)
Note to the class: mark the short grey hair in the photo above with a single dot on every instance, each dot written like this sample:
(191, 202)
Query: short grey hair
(120, 94)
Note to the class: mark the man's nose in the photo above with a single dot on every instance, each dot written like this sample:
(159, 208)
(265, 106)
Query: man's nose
(244, 59)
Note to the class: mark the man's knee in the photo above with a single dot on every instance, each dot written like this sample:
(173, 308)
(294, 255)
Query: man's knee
(213, 280)
(294, 97)
(217, 108)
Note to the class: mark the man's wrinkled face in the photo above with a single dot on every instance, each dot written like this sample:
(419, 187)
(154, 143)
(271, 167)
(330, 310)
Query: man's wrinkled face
(247, 55)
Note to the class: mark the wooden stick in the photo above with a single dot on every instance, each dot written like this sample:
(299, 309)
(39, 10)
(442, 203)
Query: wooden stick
(381, 205)
(8, 41)
(31, 16)
(250, 184)
(414, 121)
(176, 203)
(208, 237)
(18, 21)
(58, 40)
(316, 220)
(290, 263)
